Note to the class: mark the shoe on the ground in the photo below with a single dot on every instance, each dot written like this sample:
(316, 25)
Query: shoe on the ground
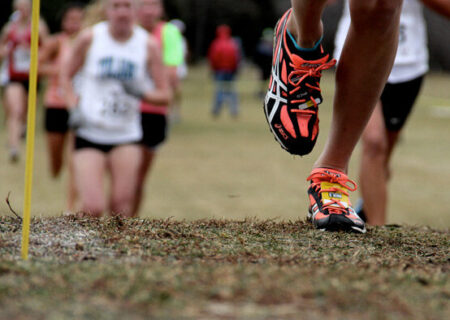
(330, 207)
(14, 155)
(292, 100)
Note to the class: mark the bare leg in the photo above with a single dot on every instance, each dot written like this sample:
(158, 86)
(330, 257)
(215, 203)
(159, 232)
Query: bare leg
(124, 163)
(147, 161)
(365, 63)
(55, 145)
(373, 175)
(377, 143)
(90, 166)
(72, 190)
(15, 96)
(305, 23)
(175, 108)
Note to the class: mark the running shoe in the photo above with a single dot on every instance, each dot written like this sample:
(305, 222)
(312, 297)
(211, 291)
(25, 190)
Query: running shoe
(14, 155)
(292, 100)
(330, 207)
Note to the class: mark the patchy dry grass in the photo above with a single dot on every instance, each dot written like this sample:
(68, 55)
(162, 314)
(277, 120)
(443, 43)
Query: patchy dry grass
(220, 269)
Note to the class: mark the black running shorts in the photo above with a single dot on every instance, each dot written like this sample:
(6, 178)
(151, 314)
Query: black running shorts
(56, 120)
(24, 83)
(81, 143)
(397, 100)
(154, 129)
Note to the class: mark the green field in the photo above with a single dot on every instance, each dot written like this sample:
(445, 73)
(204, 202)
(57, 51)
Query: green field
(222, 233)
(235, 169)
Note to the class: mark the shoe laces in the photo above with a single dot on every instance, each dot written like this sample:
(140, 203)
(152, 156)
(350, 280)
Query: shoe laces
(333, 206)
(301, 72)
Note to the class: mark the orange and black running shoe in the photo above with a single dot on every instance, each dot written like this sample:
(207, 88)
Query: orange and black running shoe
(330, 207)
(293, 97)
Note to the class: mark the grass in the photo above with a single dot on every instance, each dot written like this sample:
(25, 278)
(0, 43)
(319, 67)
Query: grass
(221, 269)
(236, 244)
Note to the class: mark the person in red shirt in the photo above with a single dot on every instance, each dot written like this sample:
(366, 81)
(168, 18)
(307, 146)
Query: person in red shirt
(15, 45)
(224, 57)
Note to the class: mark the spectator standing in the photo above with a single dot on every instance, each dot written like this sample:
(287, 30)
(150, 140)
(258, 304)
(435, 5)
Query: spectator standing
(224, 58)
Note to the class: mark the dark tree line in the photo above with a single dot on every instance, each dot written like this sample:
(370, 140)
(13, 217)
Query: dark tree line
(247, 18)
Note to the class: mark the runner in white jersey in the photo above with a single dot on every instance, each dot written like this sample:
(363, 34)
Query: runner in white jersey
(111, 116)
(411, 60)
(396, 102)
(112, 58)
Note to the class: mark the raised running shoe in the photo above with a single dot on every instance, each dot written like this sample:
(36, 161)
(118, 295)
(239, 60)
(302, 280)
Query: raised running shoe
(292, 100)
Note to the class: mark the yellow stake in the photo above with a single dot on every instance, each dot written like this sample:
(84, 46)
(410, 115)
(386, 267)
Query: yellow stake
(31, 119)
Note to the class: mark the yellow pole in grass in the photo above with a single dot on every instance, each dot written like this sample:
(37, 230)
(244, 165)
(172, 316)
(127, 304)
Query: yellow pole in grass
(31, 119)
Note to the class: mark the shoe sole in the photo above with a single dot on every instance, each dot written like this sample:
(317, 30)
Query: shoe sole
(337, 227)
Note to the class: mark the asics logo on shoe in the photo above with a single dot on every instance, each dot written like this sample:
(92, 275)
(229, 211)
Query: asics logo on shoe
(302, 94)
(280, 129)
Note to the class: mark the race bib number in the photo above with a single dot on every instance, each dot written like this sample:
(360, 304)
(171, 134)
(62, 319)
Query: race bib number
(409, 40)
(105, 105)
(117, 109)
(21, 59)
(403, 41)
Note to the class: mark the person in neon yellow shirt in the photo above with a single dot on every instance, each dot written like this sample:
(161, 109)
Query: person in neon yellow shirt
(182, 72)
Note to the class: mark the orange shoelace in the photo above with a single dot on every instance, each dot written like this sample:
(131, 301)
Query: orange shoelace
(303, 73)
(318, 177)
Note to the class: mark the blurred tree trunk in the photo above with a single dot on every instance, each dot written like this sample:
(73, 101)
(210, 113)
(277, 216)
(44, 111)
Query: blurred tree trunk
(201, 11)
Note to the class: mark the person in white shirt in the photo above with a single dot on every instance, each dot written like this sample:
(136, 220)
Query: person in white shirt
(113, 59)
(397, 99)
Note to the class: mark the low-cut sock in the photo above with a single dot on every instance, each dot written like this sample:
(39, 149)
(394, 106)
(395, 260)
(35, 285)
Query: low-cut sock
(305, 53)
